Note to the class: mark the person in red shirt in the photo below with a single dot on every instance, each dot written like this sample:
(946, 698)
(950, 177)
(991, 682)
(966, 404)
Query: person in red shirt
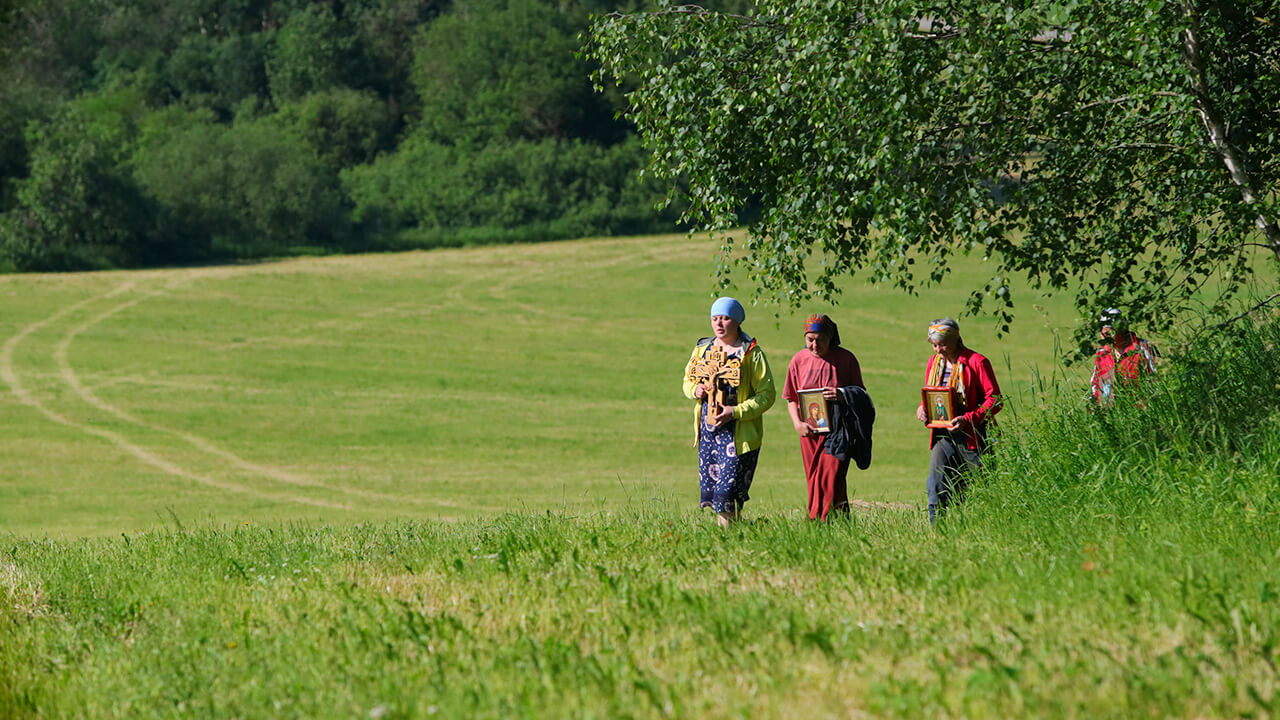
(1123, 355)
(955, 449)
(823, 363)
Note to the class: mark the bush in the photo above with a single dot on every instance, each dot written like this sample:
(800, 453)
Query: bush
(505, 70)
(536, 190)
(311, 54)
(240, 191)
(79, 208)
(344, 127)
(218, 73)
(20, 105)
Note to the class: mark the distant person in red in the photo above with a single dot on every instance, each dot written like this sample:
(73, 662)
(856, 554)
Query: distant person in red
(955, 449)
(1123, 356)
(821, 364)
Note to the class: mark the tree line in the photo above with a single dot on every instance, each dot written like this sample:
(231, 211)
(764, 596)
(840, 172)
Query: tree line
(145, 132)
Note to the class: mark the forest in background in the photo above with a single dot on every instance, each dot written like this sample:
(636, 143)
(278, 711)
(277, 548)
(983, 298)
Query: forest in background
(158, 132)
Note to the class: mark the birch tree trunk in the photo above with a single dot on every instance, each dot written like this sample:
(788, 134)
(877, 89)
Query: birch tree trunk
(1215, 125)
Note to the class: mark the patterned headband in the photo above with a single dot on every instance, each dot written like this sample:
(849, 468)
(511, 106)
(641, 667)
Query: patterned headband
(942, 331)
(817, 323)
(823, 325)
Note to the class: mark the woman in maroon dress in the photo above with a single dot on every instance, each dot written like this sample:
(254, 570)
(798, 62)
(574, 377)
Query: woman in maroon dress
(821, 364)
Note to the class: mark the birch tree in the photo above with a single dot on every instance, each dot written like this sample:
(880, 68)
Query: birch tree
(1122, 150)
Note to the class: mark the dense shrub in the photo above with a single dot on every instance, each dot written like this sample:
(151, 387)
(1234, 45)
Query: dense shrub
(20, 104)
(239, 191)
(506, 70)
(217, 73)
(538, 190)
(79, 207)
(344, 127)
(311, 54)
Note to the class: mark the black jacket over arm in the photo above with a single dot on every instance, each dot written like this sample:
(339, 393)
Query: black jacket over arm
(852, 416)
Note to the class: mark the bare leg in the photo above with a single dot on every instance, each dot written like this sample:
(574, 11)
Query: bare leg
(727, 518)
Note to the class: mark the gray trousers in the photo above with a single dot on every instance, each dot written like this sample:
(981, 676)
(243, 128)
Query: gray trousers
(949, 463)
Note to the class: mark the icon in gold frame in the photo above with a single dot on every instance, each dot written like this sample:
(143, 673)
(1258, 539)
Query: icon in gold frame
(940, 405)
(813, 410)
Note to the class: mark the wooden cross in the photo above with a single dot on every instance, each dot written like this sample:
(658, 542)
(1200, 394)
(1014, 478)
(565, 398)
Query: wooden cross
(715, 365)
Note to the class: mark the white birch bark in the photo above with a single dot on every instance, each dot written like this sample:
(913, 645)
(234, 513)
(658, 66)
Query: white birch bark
(1216, 127)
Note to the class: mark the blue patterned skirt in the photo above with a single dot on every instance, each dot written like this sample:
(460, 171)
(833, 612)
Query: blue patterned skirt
(724, 476)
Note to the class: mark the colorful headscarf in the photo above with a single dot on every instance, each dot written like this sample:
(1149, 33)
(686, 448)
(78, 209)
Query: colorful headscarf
(823, 325)
(943, 329)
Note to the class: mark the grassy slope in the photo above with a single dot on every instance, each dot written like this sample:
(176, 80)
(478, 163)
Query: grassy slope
(441, 384)
(642, 612)
(1117, 564)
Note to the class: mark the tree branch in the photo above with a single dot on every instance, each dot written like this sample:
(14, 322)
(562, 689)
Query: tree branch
(746, 21)
(1044, 44)
(1087, 106)
(1120, 100)
(1142, 146)
(933, 36)
(1246, 313)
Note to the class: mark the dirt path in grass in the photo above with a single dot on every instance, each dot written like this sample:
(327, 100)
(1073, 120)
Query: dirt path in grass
(69, 376)
(877, 505)
(9, 372)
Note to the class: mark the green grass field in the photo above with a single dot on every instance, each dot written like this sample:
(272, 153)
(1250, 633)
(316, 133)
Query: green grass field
(423, 385)
(221, 489)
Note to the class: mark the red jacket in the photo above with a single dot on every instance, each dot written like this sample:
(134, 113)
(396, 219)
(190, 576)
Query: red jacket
(1135, 359)
(981, 394)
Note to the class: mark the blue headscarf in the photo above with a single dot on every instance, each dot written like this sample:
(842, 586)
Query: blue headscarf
(729, 307)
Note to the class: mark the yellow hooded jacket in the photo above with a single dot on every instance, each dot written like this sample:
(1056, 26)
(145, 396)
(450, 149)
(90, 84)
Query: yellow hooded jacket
(756, 394)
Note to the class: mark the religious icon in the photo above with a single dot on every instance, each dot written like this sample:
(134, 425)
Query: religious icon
(717, 371)
(813, 408)
(940, 403)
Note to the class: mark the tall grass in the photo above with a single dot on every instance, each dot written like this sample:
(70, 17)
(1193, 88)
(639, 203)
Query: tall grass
(1109, 563)
(1169, 501)
(1194, 446)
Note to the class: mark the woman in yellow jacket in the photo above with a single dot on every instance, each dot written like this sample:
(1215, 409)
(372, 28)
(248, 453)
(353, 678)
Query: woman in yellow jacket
(729, 376)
